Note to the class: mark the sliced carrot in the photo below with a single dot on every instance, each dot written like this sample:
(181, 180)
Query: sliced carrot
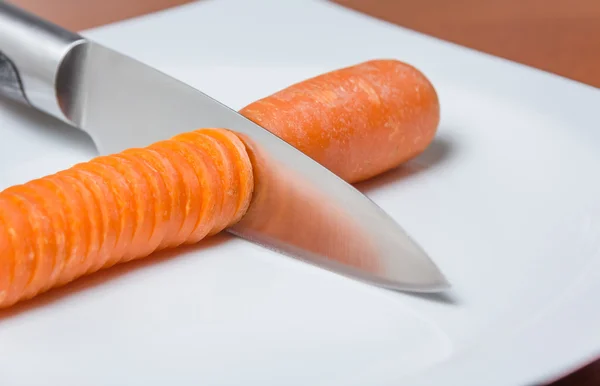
(83, 233)
(122, 217)
(210, 195)
(7, 263)
(141, 205)
(265, 186)
(179, 155)
(174, 186)
(239, 165)
(156, 211)
(27, 261)
(105, 210)
(119, 207)
(42, 223)
(21, 253)
(56, 234)
(212, 153)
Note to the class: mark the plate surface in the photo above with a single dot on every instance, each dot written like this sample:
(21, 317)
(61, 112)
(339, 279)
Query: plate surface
(505, 200)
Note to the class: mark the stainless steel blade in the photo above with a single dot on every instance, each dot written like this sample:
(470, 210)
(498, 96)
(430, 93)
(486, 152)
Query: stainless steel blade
(299, 207)
(302, 209)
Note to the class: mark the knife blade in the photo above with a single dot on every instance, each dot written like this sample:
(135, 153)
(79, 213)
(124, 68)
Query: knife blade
(299, 208)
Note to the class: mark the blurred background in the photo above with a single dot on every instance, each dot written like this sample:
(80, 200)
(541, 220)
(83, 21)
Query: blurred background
(558, 36)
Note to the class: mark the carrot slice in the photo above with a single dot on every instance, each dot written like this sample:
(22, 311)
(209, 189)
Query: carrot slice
(215, 178)
(59, 232)
(103, 208)
(240, 167)
(158, 209)
(141, 202)
(43, 236)
(83, 233)
(178, 154)
(30, 261)
(65, 231)
(125, 217)
(174, 187)
(5, 267)
(7, 258)
(21, 258)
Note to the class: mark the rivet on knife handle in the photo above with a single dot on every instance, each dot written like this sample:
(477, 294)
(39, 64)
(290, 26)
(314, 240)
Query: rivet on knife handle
(32, 52)
(10, 82)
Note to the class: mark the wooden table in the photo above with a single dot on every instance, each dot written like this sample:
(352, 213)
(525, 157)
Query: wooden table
(558, 36)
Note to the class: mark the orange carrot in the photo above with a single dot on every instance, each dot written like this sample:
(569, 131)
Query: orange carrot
(120, 207)
(357, 121)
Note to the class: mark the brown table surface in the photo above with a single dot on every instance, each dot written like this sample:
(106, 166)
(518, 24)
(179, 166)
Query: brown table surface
(558, 36)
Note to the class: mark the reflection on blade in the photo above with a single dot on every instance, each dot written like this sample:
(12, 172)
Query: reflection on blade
(288, 214)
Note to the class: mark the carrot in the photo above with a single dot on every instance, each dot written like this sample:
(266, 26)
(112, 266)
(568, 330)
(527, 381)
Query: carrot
(357, 121)
(120, 207)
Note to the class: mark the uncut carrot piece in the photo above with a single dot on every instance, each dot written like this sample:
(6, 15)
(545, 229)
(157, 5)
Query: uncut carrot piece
(357, 121)
(127, 205)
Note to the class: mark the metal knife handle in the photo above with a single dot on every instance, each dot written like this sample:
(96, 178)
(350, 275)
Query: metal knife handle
(31, 53)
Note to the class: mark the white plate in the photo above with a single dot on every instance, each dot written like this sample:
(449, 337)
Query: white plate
(506, 200)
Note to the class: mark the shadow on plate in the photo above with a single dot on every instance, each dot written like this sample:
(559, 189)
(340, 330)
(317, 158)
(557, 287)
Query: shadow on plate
(104, 276)
(439, 151)
(446, 298)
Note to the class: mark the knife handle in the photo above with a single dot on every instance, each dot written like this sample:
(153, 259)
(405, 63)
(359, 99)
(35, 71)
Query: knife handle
(32, 51)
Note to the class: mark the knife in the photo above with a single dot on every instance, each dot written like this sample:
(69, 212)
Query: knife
(302, 210)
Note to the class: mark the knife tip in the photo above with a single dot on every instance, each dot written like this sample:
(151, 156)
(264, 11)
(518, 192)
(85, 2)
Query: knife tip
(436, 285)
(414, 270)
